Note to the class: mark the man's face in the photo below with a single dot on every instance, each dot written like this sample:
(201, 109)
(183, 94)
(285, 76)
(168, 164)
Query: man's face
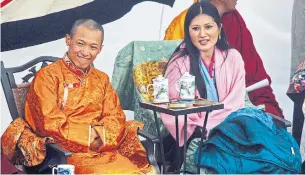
(230, 4)
(84, 46)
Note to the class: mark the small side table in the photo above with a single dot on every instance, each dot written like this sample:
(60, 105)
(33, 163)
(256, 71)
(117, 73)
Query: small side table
(210, 106)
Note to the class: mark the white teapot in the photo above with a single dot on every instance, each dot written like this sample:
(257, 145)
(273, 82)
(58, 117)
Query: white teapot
(186, 86)
(160, 85)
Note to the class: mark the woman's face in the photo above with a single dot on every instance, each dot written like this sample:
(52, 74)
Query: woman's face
(204, 32)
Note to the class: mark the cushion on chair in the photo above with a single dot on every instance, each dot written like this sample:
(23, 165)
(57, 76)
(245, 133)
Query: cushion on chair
(144, 73)
(20, 96)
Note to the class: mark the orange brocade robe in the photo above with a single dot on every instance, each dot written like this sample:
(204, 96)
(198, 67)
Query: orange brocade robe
(64, 103)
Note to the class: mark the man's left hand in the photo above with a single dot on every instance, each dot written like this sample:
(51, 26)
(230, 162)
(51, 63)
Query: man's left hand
(96, 144)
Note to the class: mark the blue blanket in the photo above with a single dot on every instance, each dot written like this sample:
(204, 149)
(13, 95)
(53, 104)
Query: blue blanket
(249, 142)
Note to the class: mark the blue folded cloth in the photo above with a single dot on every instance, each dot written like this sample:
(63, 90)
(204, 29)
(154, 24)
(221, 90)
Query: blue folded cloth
(249, 142)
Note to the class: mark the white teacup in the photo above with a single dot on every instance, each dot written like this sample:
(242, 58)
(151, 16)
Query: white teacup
(64, 169)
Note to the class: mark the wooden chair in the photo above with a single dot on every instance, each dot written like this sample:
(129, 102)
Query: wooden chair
(15, 94)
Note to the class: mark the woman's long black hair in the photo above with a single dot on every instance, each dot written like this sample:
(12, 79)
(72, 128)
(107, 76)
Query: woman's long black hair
(222, 44)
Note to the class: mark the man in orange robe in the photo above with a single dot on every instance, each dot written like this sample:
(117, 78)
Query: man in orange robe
(240, 38)
(75, 104)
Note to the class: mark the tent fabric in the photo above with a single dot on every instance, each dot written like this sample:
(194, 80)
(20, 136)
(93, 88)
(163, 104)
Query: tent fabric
(54, 20)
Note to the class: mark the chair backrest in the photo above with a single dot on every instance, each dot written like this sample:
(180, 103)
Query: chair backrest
(144, 73)
(129, 58)
(15, 93)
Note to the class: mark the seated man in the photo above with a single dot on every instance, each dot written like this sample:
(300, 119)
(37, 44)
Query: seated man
(239, 37)
(75, 104)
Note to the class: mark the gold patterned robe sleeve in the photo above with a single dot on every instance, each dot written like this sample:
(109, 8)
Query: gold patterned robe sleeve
(111, 125)
(43, 113)
(21, 146)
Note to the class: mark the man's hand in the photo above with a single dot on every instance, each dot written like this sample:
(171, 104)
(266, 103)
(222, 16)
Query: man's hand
(95, 140)
(96, 144)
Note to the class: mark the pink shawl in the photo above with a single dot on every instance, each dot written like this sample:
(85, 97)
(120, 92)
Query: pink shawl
(231, 88)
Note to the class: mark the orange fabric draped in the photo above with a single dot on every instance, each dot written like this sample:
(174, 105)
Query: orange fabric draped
(175, 30)
(65, 103)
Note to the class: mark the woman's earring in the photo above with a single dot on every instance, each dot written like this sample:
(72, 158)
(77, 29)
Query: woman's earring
(219, 37)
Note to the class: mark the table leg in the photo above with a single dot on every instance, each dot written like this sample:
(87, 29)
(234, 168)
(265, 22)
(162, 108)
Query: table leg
(184, 148)
(203, 135)
(160, 141)
(177, 139)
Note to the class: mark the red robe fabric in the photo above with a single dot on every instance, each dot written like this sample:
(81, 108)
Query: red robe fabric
(240, 38)
(7, 167)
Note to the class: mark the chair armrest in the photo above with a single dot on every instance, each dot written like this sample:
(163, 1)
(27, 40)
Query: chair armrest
(150, 146)
(55, 155)
(53, 147)
(148, 136)
(280, 121)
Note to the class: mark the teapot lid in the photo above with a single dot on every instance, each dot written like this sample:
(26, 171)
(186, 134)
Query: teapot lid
(159, 78)
(187, 74)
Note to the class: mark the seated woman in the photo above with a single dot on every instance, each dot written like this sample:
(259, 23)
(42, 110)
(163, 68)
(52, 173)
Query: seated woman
(219, 76)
